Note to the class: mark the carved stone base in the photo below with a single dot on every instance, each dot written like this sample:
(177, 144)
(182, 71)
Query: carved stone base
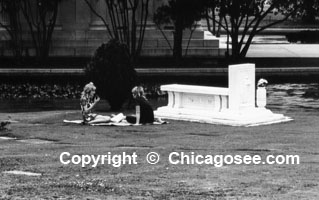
(251, 117)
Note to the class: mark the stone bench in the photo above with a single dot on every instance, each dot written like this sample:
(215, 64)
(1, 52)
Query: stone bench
(199, 98)
(235, 105)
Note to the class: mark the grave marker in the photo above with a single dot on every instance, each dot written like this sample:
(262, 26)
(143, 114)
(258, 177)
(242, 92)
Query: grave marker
(235, 105)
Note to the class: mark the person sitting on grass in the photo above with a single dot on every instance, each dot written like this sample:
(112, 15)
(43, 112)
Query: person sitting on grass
(144, 112)
(88, 100)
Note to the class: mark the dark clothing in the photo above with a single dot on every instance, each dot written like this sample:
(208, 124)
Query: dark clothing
(146, 112)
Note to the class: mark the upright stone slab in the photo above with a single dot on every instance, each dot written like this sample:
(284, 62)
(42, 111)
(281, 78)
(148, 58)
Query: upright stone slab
(241, 86)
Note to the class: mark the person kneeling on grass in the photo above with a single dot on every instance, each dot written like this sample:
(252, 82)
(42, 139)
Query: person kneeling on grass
(144, 111)
(88, 101)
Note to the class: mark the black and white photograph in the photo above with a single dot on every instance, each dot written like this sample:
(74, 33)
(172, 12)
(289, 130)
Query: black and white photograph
(159, 99)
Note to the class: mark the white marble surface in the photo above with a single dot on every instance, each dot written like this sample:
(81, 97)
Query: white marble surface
(233, 106)
(241, 83)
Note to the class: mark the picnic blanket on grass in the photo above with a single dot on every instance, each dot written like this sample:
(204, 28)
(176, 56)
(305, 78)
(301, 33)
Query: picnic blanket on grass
(121, 123)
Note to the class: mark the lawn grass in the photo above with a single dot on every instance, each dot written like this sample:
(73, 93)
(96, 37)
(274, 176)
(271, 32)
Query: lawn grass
(163, 180)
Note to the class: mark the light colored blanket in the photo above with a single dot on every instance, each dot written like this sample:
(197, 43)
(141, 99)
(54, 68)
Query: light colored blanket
(121, 123)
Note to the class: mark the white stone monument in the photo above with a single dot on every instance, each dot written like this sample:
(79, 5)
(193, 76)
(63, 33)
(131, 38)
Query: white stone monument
(235, 105)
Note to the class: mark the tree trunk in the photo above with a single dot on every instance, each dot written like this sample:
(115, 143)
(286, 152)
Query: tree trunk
(244, 51)
(235, 46)
(178, 39)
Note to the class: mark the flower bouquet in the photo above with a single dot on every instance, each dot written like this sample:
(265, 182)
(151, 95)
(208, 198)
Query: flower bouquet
(262, 83)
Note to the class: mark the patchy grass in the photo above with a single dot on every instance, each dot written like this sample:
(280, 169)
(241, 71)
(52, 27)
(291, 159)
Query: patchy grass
(163, 180)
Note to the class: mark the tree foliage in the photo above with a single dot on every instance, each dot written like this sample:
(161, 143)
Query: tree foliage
(127, 22)
(182, 14)
(309, 11)
(11, 9)
(243, 19)
(41, 18)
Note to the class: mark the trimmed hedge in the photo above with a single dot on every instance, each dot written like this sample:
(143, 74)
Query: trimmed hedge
(112, 72)
(54, 91)
(307, 37)
(39, 92)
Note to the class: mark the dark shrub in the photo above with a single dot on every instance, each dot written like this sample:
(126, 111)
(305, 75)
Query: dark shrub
(111, 71)
(307, 37)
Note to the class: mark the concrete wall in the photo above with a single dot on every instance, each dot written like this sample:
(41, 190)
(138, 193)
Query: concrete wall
(79, 32)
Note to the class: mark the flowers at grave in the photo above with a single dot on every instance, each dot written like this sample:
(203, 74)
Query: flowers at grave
(262, 83)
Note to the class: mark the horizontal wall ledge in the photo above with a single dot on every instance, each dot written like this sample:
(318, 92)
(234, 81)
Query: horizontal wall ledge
(293, 71)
